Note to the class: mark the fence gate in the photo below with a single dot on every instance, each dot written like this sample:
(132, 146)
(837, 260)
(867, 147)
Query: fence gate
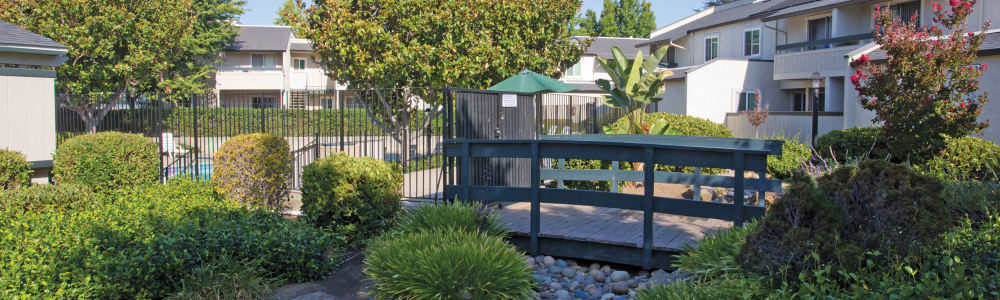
(486, 115)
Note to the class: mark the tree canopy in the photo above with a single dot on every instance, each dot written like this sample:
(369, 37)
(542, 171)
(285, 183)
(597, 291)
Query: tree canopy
(619, 18)
(467, 43)
(288, 14)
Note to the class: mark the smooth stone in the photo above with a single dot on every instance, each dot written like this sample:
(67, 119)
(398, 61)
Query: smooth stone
(573, 285)
(595, 297)
(548, 261)
(539, 259)
(561, 263)
(556, 270)
(597, 274)
(543, 270)
(316, 296)
(642, 273)
(608, 280)
(607, 296)
(631, 293)
(555, 286)
(619, 288)
(620, 298)
(568, 273)
(606, 269)
(589, 279)
(581, 295)
(528, 261)
(591, 289)
(545, 295)
(571, 263)
(618, 276)
(579, 277)
(632, 283)
(595, 266)
(561, 294)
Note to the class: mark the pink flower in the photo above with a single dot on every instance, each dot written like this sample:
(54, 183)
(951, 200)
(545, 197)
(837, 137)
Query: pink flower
(859, 72)
(954, 2)
(983, 67)
(961, 104)
(930, 54)
(979, 111)
(855, 79)
(878, 7)
(971, 34)
(936, 6)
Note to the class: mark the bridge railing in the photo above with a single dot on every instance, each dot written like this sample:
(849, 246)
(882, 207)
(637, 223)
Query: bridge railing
(739, 155)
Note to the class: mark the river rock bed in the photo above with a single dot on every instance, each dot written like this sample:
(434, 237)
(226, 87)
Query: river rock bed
(560, 279)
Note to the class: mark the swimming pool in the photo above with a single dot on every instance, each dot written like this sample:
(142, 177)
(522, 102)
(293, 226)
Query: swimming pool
(188, 170)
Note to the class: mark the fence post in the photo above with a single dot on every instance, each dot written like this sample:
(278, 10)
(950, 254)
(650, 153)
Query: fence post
(561, 165)
(614, 176)
(263, 123)
(738, 188)
(342, 106)
(466, 171)
(535, 205)
(194, 109)
(696, 190)
(159, 132)
(316, 147)
(647, 214)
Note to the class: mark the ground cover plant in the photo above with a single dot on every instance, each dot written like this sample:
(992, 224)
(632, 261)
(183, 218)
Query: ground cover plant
(140, 242)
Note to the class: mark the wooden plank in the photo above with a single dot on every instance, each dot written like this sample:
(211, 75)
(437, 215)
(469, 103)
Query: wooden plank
(535, 204)
(768, 185)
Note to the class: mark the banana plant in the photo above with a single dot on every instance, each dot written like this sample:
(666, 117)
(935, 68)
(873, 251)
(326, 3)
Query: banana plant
(635, 84)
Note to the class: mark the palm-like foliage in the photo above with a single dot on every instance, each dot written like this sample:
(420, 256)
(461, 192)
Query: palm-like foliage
(636, 84)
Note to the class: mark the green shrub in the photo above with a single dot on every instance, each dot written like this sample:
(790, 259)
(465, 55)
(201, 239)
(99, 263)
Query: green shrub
(253, 170)
(793, 155)
(967, 158)
(356, 197)
(878, 206)
(226, 278)
(46, 197)
(973, 199)
(15, 171)
(446, 264)
(107, 160)
(853, 143)
(138, 243)
(470, 217)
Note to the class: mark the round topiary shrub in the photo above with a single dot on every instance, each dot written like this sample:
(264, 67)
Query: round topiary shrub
(455, 216)
(878, 206)
(253, 170)
(853, 143)
(447, 264)
(793, 155)
(107, 161)
(15, 171)
(964, 159)
(354, 196)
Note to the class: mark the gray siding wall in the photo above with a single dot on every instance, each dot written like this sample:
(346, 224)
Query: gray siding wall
(27, 116)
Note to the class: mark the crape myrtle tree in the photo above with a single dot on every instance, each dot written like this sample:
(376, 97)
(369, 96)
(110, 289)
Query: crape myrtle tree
(391, 48)
(927, 88)
(128, 47)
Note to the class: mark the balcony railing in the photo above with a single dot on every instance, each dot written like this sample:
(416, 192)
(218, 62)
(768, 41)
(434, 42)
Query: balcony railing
(849, 40)
(247, 69)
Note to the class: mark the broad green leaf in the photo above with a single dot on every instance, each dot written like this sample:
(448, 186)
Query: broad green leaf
(620, 60)
(634, 72)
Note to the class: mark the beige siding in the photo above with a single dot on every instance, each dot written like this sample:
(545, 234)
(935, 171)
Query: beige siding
(27, 116)
(713, 89)
(787, 124)
(730, 43)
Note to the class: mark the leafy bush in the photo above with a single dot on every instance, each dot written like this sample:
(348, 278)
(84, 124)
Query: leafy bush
(851, 143)
(107, 160)
(15, 171)
(793, 155)
(356, 197)
(973, 199)
(470, 217)
(878, 206)
(966, 158)
(47, 197)
(138, 243)
(253, 170)
(226, 278)
(446, 264)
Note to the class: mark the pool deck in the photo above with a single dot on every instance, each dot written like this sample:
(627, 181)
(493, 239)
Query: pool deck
(609, 226)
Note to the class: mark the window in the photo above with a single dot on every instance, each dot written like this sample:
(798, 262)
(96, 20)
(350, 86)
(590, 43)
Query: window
(298, 64)
(819, 29)
(799, 101)
(263, 102)
(751, 42)
(575, 70)
(904, 11)
(711, 48)
(821, 103)
(748, 101)
(327, 103)
(257, 60)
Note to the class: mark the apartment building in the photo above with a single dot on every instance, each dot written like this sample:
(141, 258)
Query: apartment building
(268, 66)
(770, 50)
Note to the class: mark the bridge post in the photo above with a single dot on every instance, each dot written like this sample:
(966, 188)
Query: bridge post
(466, 171)
(535, 205)
(738, 169)
(647, 203)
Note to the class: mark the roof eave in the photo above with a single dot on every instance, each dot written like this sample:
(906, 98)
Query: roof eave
(39, 50)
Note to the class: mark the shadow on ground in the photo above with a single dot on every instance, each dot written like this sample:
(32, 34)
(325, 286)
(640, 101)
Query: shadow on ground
(348, 283)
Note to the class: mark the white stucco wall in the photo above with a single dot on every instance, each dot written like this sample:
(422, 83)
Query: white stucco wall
(730, 43)
(674, 98)
(990, 83)
(27, 116)
(713, 89)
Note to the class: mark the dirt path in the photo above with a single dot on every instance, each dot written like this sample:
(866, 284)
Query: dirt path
(348, 283)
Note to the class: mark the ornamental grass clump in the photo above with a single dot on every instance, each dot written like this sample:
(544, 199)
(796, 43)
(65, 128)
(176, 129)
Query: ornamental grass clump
(15, 171)
(928, 88)
(447, 264)
(253, 170)
(472, 217)
(106, 161)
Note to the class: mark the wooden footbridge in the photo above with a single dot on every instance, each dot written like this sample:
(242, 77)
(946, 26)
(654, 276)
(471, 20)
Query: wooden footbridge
(643, 230)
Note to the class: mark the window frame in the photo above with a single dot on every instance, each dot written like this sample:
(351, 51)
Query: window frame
(576, 70)
(803, 97)
(717, 44)
(750, 103)
(759, 43)
(255, 55)
(298, 64)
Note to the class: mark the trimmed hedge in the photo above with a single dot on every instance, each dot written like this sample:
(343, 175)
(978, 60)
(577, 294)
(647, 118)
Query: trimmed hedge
(853, 143)
(47, 198)
(447, 264)
(963, 159)
(253, 170)
(15, 171)
(139, 243)
(793, 155)
(354, 196)
(107, 160)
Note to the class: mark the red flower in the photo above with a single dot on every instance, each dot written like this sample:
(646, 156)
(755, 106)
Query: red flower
(859, 72)
(983, 67)
(855, 79)
(954, 2)
(961, 104)
(936, 6)
(979, 111)
(877, 7)
(971, 34)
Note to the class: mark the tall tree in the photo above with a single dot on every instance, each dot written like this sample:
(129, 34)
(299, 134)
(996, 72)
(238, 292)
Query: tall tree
(421, 43)
(620, 18)
(287, 15)
(587, 25)
(129, 47)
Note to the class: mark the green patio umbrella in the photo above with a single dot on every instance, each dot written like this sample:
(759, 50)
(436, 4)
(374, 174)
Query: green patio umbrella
(528, 82)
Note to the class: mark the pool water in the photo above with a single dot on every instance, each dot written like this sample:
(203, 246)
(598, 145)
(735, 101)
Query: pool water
(188, 170)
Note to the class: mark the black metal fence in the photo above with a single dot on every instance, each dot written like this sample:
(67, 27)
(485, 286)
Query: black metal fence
(405, 126)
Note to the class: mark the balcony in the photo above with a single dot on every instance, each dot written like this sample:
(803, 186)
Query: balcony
(258, 78)
(310, 79)
(800, 60)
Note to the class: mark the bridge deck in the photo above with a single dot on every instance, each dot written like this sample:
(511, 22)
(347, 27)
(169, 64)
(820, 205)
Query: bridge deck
(608, 225)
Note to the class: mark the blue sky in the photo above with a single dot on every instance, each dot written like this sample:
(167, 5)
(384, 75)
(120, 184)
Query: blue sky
(263, 12)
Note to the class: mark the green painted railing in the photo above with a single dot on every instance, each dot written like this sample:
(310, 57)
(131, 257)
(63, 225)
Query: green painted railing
(738, 155)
